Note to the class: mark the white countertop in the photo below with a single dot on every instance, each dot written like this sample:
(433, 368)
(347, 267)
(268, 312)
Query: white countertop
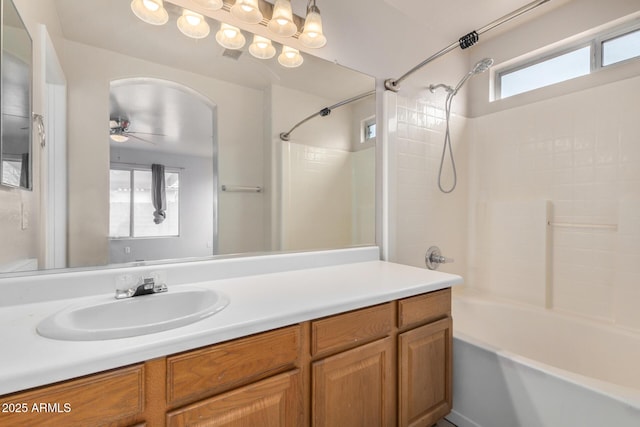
(258, 303)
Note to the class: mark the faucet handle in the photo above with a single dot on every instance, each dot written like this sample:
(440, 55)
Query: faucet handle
(126, 285)
(433, 258)
(149, 286)
(129, 285)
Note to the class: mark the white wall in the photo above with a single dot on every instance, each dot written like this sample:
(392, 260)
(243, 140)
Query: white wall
(89, 71)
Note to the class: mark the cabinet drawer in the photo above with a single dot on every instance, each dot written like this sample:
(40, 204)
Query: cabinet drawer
(114, 398)
(424, 308)
(218, 368)
(348, 329)
(276, 401)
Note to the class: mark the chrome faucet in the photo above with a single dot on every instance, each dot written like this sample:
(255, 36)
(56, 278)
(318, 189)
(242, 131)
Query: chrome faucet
(433, 258)
(128, 286)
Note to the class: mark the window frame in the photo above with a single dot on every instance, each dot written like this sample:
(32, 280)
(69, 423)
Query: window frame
(132, 170)
(615, 33)
(594, 42)
(364, 124)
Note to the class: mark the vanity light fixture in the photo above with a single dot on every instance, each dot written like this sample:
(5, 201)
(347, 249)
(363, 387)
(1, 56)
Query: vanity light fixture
(210, 4)
(247, 11)
(312, 35)
(150, 11)
(290, 57)
(262, 48)
(230, 37)
(281, 22)
(193, 25)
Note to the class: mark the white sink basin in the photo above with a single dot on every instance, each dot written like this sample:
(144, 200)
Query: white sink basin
(103, 318)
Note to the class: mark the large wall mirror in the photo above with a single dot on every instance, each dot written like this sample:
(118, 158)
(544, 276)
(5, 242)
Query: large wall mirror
(172, 146)
(15, 145)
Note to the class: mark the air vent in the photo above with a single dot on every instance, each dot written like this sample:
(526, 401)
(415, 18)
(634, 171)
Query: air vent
(232, 53)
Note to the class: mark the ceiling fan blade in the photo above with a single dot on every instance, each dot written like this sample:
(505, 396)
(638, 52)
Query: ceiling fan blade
(147, 133)
(140, 139)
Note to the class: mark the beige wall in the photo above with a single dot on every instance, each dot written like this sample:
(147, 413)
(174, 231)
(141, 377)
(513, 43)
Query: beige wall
(89, 71)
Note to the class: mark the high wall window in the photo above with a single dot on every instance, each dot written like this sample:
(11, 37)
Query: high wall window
(368, 130)
(575, 60)
(131, 208)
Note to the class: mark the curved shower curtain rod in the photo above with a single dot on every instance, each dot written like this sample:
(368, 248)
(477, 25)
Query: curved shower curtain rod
(325, 112)
(464, 42)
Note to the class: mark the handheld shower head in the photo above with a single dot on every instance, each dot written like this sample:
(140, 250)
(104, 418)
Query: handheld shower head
(480, 67)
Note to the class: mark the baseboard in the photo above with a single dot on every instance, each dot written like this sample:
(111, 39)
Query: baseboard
(460, 420)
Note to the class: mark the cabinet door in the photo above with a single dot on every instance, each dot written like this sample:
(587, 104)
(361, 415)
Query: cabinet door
(355, 388)
(424, 357)
(274, 402)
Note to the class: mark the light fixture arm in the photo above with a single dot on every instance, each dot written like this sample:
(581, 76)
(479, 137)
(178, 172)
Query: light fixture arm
(464, 42)
(311, 6)
(325, 112)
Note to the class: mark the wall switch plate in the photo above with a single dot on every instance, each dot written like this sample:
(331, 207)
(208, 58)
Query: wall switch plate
(24, 221)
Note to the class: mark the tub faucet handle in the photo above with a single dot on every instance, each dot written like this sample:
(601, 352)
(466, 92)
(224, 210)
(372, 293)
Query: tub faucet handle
(433, 258)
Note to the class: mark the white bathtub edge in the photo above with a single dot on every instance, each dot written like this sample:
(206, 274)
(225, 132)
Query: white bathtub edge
(622, 394)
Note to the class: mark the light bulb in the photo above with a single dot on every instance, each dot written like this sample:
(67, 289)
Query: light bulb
(230, 33)
(118, 137)
(290, 57)
(210, 4)
(151, 5)
(247, 11)
(312, 35)
(193, 25)
(150, 11)
(230, 37)
(262, 48)
(193, 20)
(281, 22)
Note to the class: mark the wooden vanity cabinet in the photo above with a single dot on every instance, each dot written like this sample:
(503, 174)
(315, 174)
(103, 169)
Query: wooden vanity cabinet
(425, 343)
(384, 365)
(251, 381)
(355, 386)
(114, 398)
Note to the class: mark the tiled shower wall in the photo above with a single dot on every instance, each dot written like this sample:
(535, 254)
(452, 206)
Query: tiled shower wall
(581, 152)
(423, 215)
(578, 155)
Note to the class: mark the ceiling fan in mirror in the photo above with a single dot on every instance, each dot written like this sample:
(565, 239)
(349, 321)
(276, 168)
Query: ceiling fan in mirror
(119, 131)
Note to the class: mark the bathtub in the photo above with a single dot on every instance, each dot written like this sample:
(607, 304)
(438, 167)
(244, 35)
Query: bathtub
(518, 365)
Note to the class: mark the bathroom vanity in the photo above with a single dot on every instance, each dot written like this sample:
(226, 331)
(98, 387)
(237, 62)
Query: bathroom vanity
(300, 354)
(312, 371)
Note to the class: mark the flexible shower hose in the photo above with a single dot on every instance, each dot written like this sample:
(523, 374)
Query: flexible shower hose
(447, 144)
